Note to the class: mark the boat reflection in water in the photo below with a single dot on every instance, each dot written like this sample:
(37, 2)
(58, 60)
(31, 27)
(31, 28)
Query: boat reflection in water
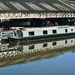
(21, 53)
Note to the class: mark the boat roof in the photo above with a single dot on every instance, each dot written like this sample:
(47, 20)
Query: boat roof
(46, 28)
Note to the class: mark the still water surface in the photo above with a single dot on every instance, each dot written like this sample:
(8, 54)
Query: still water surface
(56, 61)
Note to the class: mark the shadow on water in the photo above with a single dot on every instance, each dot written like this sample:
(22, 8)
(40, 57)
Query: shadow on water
(21, 52)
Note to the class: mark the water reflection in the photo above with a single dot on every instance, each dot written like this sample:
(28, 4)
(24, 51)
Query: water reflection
(20, 52)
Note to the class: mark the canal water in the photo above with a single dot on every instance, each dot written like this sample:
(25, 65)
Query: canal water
(49, 57)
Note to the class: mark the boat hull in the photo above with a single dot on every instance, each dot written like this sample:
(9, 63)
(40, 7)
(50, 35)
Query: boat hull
(43, 37)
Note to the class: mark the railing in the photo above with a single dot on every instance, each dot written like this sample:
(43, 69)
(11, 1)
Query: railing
(3, 35)
(37, 15)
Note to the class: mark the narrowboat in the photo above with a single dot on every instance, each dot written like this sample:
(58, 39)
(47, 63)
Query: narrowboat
(40, 33)
(4, 34)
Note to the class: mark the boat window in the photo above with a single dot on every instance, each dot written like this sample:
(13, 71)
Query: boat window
(71, 40)
(54, 43)
(54, 31)
(31, 33)
(71, 29)
(66, 30)
(65, 41)
(31, 47)
(19, 33)
(45, 45)
(45, 32)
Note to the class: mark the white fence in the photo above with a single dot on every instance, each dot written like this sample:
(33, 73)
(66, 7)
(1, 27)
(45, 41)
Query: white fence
(36, 15)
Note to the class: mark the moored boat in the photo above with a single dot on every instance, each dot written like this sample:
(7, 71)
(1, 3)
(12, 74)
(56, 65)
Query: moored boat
(4, 34)
(42, 33)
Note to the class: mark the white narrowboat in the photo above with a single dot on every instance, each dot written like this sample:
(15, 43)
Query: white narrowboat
(42, 33)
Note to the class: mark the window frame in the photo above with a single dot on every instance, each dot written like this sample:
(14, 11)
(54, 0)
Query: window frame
(45, 32)
(31, 33)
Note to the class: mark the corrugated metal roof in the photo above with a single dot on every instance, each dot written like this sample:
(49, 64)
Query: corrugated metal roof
(36, 6)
